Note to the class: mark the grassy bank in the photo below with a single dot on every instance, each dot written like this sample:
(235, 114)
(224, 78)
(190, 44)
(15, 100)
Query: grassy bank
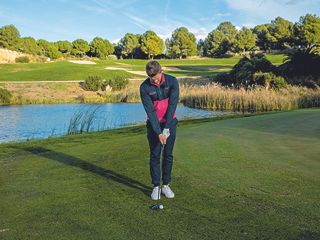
(241, 178)
(67, 92)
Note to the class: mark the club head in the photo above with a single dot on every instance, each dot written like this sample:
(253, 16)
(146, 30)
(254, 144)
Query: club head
(156, 207)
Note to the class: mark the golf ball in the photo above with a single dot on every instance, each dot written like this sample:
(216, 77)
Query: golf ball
(161, 206)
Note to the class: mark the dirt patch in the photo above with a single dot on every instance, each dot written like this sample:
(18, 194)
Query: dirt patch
(8, 56)
(81, 62)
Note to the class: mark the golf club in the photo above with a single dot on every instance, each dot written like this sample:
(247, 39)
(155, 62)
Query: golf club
(159, 206)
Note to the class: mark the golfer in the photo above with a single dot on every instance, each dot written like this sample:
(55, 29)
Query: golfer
(160, 95)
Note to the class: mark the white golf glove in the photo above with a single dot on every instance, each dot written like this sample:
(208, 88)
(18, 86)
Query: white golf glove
(166, 132)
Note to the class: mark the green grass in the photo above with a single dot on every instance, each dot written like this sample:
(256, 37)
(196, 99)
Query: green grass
(238, 178)
(63, 70)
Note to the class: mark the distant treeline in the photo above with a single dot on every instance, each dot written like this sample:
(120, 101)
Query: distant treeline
(280, 34)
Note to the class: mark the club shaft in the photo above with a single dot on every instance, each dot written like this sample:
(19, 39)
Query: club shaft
(161, 155)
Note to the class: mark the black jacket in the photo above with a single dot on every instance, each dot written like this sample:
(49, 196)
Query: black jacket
(166, 93)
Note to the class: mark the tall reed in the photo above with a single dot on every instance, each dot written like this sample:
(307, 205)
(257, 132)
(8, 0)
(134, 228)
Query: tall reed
(82, 121)
(215, 97)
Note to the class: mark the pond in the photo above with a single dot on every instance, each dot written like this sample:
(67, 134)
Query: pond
(27, 122)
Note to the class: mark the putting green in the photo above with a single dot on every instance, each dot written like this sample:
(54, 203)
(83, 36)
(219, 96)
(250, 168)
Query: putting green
(238, 178)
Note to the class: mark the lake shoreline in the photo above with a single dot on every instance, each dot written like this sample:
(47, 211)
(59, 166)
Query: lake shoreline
(40, 121)
(137, 126)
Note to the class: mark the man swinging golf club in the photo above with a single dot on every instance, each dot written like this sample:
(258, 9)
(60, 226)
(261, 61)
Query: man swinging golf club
(160, 95)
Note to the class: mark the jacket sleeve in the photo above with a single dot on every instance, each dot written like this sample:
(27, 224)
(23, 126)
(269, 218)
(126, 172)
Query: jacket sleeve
(150, 110)
(173, 101)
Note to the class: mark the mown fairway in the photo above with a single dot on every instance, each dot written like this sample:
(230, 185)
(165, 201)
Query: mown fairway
(241, 178)
(63, 70)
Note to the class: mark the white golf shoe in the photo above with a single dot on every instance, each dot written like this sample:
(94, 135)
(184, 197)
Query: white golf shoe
(155, 193)
(166, 190)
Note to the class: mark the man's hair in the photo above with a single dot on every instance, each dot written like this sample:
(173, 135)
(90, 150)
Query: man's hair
(153, 68)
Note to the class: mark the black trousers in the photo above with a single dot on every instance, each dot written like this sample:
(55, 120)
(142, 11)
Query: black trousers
(155, 151)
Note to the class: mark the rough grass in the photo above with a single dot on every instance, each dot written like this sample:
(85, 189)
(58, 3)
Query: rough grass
(240, 178)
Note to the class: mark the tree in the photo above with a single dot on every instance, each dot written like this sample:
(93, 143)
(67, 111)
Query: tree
(282, 30)
(128, 45)
(265, 40)
(101, 48)
(307, 30)
(64, 47)
(151, 44)
(220, 40)
(9, 37)
(182, 43)
(29, 45)
(80, 47)
(49, 49)
(117, 50)
(245, 40)
(215, 43)
(229, 31)
(201, 48)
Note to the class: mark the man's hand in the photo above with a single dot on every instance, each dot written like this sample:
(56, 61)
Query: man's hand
(162, 138)
(166, 132)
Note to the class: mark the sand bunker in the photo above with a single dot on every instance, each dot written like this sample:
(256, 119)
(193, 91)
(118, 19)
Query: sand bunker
(142, 73)
(171, 68)
(117, 68)
(125, 64)
(81, 62)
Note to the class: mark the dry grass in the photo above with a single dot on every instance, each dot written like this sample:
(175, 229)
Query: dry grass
(215, 97)
(47, 93)
(197, 93)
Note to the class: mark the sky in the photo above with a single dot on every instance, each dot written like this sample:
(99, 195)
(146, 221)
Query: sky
(55, 20)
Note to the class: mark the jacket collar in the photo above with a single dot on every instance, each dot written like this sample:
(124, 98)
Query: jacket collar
(161, 82)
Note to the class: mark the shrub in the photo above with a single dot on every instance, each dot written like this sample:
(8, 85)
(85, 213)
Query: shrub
(301, 67)
(242, 73)
(23, 59)
(269, 80)
(224, 79)
(117, 82)
(93, 83)
(301, 62)
(261, 63)
(5, 96)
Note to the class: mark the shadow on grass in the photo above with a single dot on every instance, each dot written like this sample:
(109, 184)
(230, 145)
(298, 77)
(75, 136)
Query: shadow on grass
(77, 162)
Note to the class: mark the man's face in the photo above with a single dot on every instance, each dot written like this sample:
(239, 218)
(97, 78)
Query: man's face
(157, 78)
